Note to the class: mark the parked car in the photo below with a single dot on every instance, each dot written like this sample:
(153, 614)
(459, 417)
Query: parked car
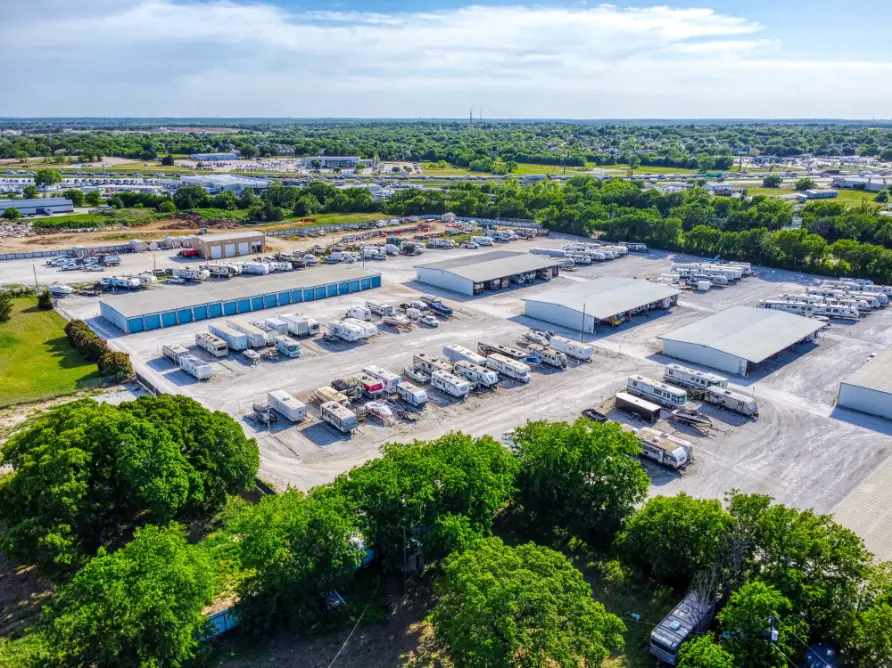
(175, 280)
(470, 244)
(429, 320)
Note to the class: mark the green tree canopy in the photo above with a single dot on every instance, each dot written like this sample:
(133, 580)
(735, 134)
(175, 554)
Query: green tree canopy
(501, 607)
(30, 192)
(704, 652)
(93, 198)
(805, 184)
(140, 606)
(772, 181)
(76, 196)
(580, 476)
(47, 177)
(12, 214)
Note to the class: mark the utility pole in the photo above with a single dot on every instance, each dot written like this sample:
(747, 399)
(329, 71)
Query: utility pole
(471, 115)
(34, 268)
(582, 328)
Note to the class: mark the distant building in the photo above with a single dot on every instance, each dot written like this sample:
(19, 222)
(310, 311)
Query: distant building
(229, 244)
(821, 194)
(215, 183)
(866, 183)
(37, 207)
(214, 157)
(333, 162)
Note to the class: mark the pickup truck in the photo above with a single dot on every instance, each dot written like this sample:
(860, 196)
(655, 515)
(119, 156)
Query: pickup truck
(436, 305)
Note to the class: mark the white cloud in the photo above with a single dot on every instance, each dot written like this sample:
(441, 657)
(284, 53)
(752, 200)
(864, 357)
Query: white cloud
(156, 57)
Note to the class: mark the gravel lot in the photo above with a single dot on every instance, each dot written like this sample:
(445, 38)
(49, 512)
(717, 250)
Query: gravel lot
(801, 450)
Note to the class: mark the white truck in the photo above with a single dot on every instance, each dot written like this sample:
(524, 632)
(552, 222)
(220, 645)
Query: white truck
(682, 376)
(339, 417)
(196, 367)
(664, 448)
(411, 394)
(379, 308)
(345, 331)
(574, 349)
(450, 384)
(476, 373)
(733, 401)
(288, 346)
(286, 405)
(360, 313)
(234, 339)
(459, 353)
(300, 325)
(508, 367)
(653, 390)
(174, 352)
(388, 379)
(212, 344)
(256, 337)
(482, 241)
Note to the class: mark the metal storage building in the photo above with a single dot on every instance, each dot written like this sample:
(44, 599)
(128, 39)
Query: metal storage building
(471, 274)
(610, 299)
(229, 244)
(167, 307)
(869, 389)
(737, 338)
(41, 205)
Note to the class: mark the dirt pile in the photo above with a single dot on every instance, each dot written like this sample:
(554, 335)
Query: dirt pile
(193, 221)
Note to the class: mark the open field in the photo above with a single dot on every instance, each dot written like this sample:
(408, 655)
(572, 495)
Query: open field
(429, 169)
(644, 170)
(847, 197)
(36, 359)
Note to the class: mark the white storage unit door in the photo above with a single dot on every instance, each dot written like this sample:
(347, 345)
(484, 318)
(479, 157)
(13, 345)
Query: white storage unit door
(216, 252)
(244, 249)
(230, 250)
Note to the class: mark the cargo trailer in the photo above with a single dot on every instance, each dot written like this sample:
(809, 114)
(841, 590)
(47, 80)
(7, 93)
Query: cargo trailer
(278, 325)
(339, 417)
(212, 344)
(289, 407)
(299, 325)
(235, 340)
(288, 346)
(629, 403)
(733, 401)
(255, 336)
(456, 353)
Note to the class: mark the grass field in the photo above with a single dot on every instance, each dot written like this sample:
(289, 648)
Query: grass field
(430, 169)
(130, 217)
(36, 359)
(324, 219)
(644, 170)
(847, 197)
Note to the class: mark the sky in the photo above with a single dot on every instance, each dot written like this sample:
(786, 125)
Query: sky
(442, 58)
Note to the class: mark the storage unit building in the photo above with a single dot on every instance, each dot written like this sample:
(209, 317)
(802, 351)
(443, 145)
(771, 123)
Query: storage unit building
(43, 206)
(739, 338)
(167, 307)
(473, 273)
(869, 389)
(611, 299)
(229, 244)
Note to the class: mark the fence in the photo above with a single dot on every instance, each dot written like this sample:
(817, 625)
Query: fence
(56, 253)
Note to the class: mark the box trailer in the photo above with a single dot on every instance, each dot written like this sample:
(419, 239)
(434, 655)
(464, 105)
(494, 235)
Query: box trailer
(288, 346)
(574, 349)
(450, 384)
(212, 344)
(234, 339)
(508, 367)
(286, 405)
(459, 353)
(174, 352)
(299, 325)
(682, 376)
(733, 401)
(476, 373)
(278, 325)
(664, 448)
(411, 394)
(647, 411)
(195, 367)
(339, 417)
(653, 390)
(389, 379)
(345, 331)
(256, 337)
(428, 364)
(379, 308)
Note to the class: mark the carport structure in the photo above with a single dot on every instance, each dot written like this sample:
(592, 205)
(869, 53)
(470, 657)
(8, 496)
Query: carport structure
(473, 273)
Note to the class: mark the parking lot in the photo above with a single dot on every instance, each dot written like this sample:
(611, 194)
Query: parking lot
(801, 450)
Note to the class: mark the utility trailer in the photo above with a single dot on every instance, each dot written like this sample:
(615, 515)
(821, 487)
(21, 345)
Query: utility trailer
(339, 417)
(733, 401)
(641, 408)
(212, 344)
(289, 407)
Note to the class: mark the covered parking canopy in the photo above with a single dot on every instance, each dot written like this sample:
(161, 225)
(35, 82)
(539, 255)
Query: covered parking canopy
(472, 273)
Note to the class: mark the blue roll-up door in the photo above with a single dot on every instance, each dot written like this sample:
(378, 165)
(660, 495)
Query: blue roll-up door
(376, 281)
(284, 298)
(332, 290)
(308, 295)
(169, 319)
(320, 292)
(269, 301)
(215, 310)
(153, 321)
(184, 315)
(200, 312)
(256, 303)
(135, 325)
(365, 283)
(343, 288)
(244, 305)
(354, 286)
(230, 308)
(297, 296)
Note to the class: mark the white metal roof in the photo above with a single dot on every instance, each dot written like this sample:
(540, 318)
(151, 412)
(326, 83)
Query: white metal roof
(876, 374)
(754, 334)
(480, 267)
(28, 203)
(607, 296)
(222, 236)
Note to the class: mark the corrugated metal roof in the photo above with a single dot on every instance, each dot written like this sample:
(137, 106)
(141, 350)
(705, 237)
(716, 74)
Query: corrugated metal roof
(40, 201)
(754, 334)
(169, 298)
(607, 296)
(222, 236)
(480, 267)
(876, 374)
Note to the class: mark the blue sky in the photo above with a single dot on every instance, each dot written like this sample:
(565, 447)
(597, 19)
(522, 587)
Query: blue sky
(394, 58)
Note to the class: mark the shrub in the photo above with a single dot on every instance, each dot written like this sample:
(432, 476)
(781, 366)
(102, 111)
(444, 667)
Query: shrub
(45, 300)
(115, 364)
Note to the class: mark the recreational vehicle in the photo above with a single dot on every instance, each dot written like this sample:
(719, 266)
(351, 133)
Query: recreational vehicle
(682, 376)
(653, 390)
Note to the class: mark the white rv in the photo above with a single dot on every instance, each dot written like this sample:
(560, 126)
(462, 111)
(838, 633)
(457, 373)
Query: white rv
(288, 346)
(797, 308)
(664, 448)
(734, 401)
(458, 353)
(339, 417)
(573, 349)
(380, 308)
(388, 379)
(196, 367)
(345, 331)
(411, 394)
(653, 390)
(476, 373)
(838, 312)
(450, 384)
(212, 344)
(509, 367)
(428, 364)
(682, 376)
(286, 405)
(549, 356)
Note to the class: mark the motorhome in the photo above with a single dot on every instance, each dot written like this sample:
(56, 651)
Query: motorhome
(797, 308)
(288, 346)
(339, 417)
(653, 390)
(212, 344)
(389, 379)
(663, 448)
(574, 349)
(508, 367)
(733, 401)
(477, 374)
(286, 405)
(456, 353)
(691, 617)
(411, 394)
(450, 384)
(682, 376)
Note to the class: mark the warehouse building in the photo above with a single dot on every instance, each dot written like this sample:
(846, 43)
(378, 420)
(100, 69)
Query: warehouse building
(610, 300)
(739, 339)
(167, 307)
(472, 274)
(217, 183)
(227, 244)
(213, 157)
(44, 206)
(333, 161)
(869, 389)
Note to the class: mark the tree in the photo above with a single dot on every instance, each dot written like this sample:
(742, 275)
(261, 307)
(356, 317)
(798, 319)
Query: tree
(190, 197)
(45, 300)
(93, 198)
(30, 192)
(634, 162)
(168, 161)
(674, 538)
(140, 606)
(772, 181)
(47, 177)
(870, 644)
(317, 164)
(12, 214)
(115, 364)
(503, 606)
(5, 307)
(583, 477)
(805, 184)
(704, 652)
(752, 612)
(76, 196)
(167, 207)
(296, 549)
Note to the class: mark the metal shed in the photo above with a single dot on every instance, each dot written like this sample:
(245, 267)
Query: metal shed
(229, 244)
(473, 273)
(610, 299)
(171, 306)
(869, 389)
(735, 339)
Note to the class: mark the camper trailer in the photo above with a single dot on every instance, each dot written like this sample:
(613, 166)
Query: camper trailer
(174, 352)
(212, 344)
(339, 417)
(379, 308)
(286, 405)
(458, 353)
(663, 448)
(390, 380)
(195, 367)
(682, 376)
(345, 331)
(838, 312)
(508, 367)
(691, 617)
(234, 339)
(797, 308)
(428, 364)
(411, 394)
(653, 390)
(733, 401)
(574, 349)
(450, 384)
(477, 374)
(549, 356)
(359, 313)
(371, 387)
